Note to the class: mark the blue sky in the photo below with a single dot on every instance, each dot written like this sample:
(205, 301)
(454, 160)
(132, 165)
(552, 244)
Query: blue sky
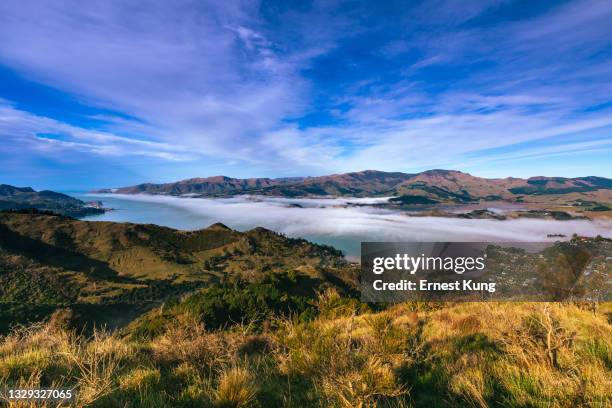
(111, 93)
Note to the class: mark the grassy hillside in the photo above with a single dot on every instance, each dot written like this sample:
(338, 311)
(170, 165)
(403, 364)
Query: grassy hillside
(49, 261)
(413, 354)
(220, 318)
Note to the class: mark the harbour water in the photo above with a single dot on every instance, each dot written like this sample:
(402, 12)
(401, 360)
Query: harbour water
(334, 222)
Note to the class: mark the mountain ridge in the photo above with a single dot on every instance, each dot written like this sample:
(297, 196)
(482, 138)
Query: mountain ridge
(56, 261)
(436, 184)
(21, 198)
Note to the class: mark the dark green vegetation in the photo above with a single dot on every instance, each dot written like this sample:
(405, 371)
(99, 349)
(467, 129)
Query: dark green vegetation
(220, 318)
(591, 205)
(482, 214)
(414, 199)
(409, 355)
(435, 185)
(559, 185)
(238, 302)
(555, 215)
(20, 198)
(49, 261)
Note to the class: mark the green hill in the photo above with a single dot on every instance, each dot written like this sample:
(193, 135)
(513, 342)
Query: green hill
(222, 318)
(54, 260)
(20, 198)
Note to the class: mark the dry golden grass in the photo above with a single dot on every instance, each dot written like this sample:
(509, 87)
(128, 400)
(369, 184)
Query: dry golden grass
(236, 388)
(471, 354)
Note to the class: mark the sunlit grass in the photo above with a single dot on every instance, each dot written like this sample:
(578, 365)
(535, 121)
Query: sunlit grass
(471, 354)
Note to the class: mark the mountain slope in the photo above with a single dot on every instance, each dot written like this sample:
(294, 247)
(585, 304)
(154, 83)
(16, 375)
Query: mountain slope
(359, 183)
(18, 198)
(209, 186)
(465, 187)
(53, 260)
(437, 185)
(147, 251)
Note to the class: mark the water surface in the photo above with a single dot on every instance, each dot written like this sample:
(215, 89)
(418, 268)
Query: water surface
(330, 221)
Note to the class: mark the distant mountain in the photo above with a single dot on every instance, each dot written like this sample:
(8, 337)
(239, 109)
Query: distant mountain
(363, 183)
(450, 185)
(209, 186)
(431, 186)
(21, 198)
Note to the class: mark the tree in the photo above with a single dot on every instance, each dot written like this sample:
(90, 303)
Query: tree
(561, 275)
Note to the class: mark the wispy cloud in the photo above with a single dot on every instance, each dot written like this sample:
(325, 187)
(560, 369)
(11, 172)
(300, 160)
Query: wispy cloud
(178, 68)
(20, 128)
(327, 86)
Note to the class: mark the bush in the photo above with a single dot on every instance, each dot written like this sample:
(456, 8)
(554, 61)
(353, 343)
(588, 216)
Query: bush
(242, 302)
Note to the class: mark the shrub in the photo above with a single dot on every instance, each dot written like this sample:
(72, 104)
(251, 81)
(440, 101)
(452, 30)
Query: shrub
(236, 388)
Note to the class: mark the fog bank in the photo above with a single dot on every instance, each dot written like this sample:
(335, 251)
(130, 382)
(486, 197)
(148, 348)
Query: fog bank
(327, 221)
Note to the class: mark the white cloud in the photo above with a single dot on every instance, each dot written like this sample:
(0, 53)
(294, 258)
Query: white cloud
(221, 80)
(23, 129)
(176, 67)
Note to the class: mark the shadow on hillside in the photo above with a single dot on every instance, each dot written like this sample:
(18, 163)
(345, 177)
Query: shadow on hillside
(55, 256)
(429, 376)
(85, 317)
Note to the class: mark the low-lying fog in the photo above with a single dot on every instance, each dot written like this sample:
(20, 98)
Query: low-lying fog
(328, 221)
